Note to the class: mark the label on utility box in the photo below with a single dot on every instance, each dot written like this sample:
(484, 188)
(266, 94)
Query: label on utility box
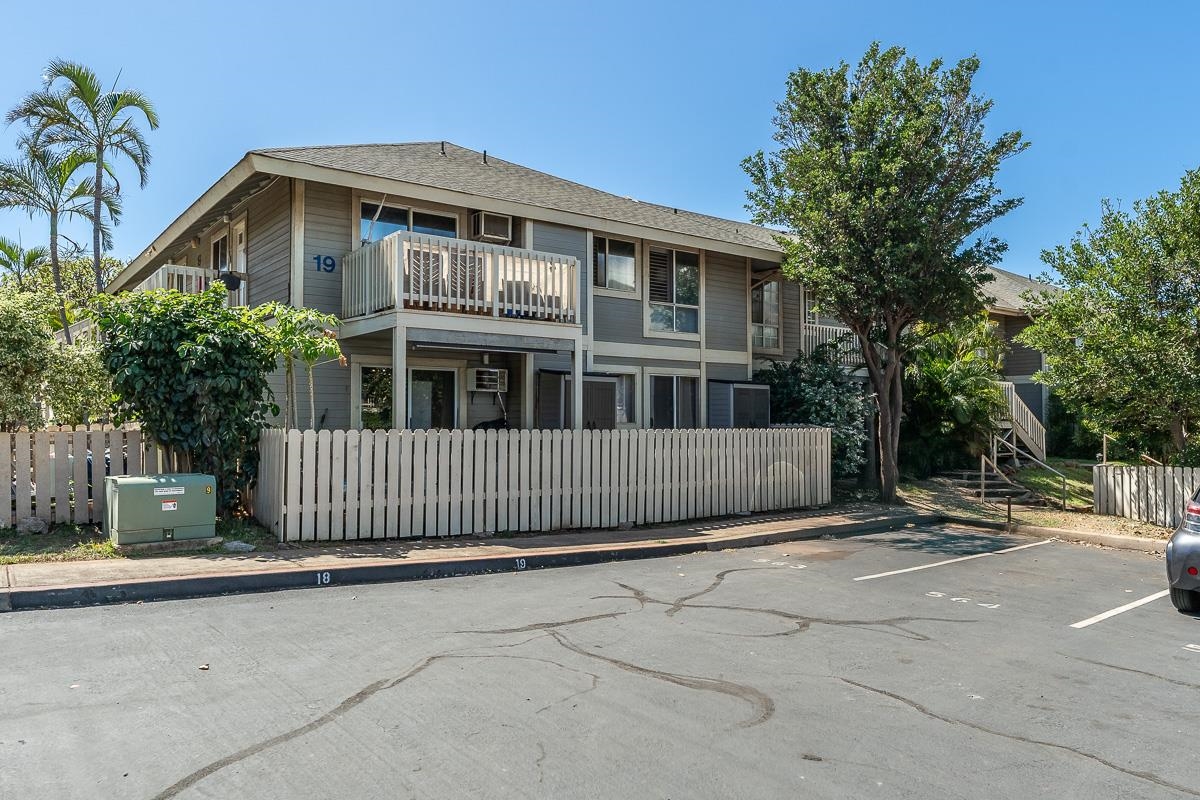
(161, 490)
(170, 505)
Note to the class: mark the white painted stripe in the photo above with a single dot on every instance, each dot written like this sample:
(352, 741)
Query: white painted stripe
(954, 560)
(1121, 609)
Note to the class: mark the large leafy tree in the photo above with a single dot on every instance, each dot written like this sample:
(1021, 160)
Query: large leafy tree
(193, 372)
(19, 264)
(883, 178)
(26, 354)
(76, 110)
(41, 182)
(1122, 337)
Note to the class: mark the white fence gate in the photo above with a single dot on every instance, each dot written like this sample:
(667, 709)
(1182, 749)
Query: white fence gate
(335, 485)
(1156, 495)
(58, 475)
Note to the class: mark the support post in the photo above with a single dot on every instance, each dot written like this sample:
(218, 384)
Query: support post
(400, 377)
(577, 386)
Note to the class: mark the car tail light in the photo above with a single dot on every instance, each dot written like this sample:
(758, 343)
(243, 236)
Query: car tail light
(1193, 571)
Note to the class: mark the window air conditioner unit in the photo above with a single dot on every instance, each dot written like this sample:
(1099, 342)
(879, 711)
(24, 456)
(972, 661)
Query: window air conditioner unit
(489, 227)
(486, 379)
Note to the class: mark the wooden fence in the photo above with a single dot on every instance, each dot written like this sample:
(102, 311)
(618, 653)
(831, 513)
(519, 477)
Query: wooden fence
(57, 475)
(335, 485)
(1156, 495)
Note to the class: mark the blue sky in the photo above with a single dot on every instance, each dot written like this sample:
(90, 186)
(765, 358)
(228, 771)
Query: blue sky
(659, 101)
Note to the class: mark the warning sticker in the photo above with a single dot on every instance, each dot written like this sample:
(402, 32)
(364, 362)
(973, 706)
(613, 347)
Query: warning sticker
(170, 505)
(161, 490)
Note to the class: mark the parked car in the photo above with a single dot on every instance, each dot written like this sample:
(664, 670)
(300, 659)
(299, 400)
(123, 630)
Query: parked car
(1183, 559)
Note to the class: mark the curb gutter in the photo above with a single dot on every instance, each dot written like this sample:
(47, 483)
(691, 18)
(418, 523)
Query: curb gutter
(1115, 540)
(14, 598)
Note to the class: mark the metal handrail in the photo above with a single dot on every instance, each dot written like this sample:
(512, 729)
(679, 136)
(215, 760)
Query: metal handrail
(1018, 452)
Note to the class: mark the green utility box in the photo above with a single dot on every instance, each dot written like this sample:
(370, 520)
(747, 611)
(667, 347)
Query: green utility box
(157, 508)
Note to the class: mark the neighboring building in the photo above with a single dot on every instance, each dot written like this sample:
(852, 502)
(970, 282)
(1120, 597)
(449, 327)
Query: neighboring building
(1007, 310)
(477, 292)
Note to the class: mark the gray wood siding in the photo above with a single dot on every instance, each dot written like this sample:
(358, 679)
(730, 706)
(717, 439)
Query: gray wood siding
(268, 245)
(567, 242)
(725, 298)
(1020, 360)
(328, 231)
(726, 372)
(1031, 395)
(620, 320)
(791, 319)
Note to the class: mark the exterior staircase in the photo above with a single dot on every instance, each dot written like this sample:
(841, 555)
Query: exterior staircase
(996, 487)
(1021, 425)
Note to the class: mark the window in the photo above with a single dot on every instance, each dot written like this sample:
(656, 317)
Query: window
(674, 291)
(237, 297)
(614, 264)
(220, 253)
(673, 401)
(764, 315)
(376, 222)
(435, 224)
(392, 219)
(376, 398)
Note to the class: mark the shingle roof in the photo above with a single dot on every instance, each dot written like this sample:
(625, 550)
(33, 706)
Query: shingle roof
(463, 170)
(1007, 288)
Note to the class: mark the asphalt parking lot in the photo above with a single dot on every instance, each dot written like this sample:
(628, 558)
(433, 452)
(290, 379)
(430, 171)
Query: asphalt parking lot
(922, 663)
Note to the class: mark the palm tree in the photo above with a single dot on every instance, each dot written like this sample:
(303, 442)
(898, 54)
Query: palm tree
(41, 183)
(20, 263)
(82, 115)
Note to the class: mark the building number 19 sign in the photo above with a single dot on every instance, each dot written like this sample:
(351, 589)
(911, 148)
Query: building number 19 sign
(325, 263)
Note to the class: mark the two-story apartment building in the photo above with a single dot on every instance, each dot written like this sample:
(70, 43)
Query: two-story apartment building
(477, 292)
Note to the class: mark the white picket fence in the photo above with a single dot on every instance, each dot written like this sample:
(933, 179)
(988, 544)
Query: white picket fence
(1156, 495)
(346, 485)
(58, 475)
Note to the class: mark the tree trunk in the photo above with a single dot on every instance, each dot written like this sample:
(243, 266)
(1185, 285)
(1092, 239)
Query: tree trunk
(289, 394)
(56, 272)
(1179, 434)
(312, 401)
(886, 379)
(97, 244)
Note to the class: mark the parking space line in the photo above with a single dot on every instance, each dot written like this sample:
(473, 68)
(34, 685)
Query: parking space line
(954, 560)
(1120, 609)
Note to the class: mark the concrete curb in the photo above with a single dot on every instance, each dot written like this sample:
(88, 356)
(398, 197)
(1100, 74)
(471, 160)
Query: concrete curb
(16, 598)
(1117, 541)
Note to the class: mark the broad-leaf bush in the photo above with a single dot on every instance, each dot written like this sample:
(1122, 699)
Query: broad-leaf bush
(78, 388)
(194, 374)
(814, 389)
(26, 352)
(953, 401)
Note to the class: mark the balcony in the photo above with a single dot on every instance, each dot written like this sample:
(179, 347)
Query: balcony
(813, 336)
(434, 273)
(191, 280)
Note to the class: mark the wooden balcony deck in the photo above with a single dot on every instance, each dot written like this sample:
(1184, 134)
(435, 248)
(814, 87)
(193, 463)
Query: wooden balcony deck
(435, 273)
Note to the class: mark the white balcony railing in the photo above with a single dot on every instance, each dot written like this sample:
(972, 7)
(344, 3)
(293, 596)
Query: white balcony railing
(191, 280)
(813, 336)
(411, 270)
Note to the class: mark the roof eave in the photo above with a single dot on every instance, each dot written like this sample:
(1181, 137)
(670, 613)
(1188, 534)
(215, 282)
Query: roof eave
(143, 265)
(363, 180)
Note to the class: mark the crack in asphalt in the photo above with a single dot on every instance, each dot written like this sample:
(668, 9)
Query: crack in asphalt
(542, 626)
(914, 705)
(762, 704)
(333, 714)
(802, 622)
(1172, 681)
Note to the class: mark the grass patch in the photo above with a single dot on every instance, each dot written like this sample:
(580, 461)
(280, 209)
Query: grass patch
(1049, 485)
(61, 543)
(248, 531)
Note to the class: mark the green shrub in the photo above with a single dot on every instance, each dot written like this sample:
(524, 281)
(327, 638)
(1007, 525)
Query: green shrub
(193, 372)
(814, 389)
